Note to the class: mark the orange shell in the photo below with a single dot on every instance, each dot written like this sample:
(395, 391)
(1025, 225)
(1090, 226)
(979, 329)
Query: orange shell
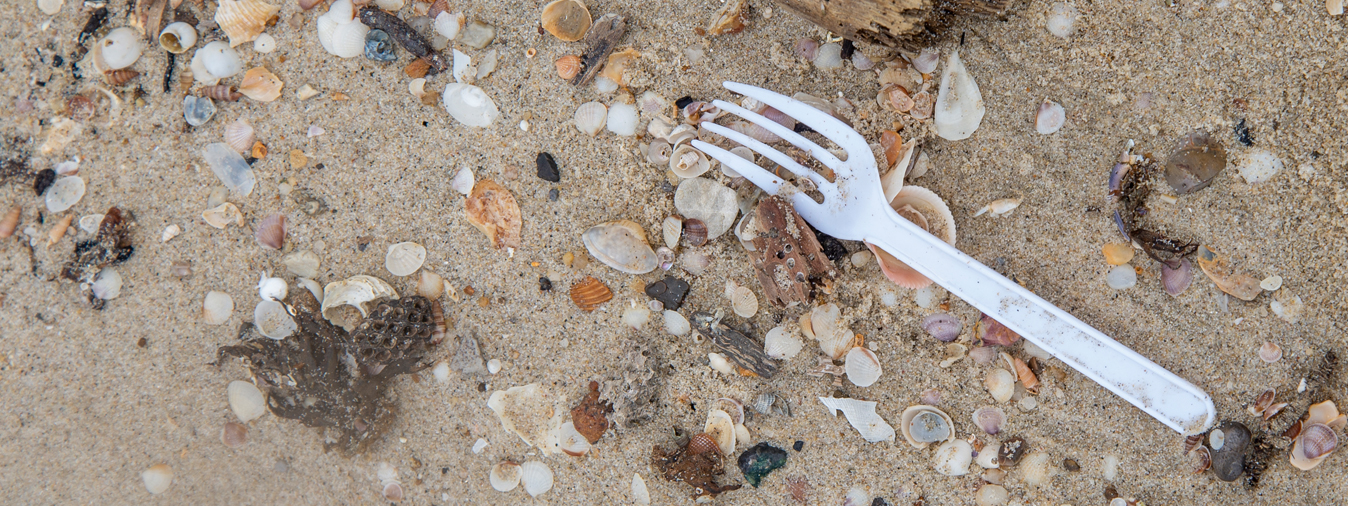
(702, 443)
(493, 210)
(120, 76)
(590, 293)
(10, 222)
(568, 66)
(1026, 376)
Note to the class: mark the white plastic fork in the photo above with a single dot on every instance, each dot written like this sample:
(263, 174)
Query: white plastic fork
(854, 208)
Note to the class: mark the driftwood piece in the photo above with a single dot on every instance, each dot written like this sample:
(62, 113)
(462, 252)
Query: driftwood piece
(893, 23)
(789, 254)
(602, 39)
(744, 352)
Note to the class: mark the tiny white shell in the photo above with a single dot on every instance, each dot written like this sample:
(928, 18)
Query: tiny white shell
(781, 344)
(721, 427)
(463, 69)
(622, 119)
(505, 476)
(676, 324)
(90, 222)
(640, 495)
(636, 317)
(493, 366)
(571, 442)
(157, 478)
(590, 118)
(50, 7)
(272, 288)
(991, 495)
(219, 59)
(688, 162)
(64, 193)
(121, 47)
(246, 401)
(107, 285)
(178, 37)
(1001, 384)
(481, 444)
(216, 307)
(953, 457)
(273, 321)
(536, 477)
(170, 232)
(672, 229)
(431, 285)
(313, 287)
(264, 43)
(1050, 118)
(469, 105)
(744, 302)
(463, 181)
(404, 258)
(987, 458)
(448, 25)
(863, 368)
(720, 364)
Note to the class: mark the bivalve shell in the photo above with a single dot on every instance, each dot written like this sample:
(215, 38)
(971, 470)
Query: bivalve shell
(863, 368)
(568, 66)
(622, 119)
(621, 245)
(493, 210)
(781, 344)
(243, 20)
(707, 200)
(721, 427)
(273, 321)
(1001, 384)
(676, 324)
(246, 401)
(925, 209)
(923, 425)
(567, 20)
(469, 105)
(157, 478)
(590, 117)
(216, 307)
(357, 291)
(959, 104)
(990, 419)
(570, 441)
(943, 327)
(590, 293)
(672, 229)
(687, 162)
(261, 85)
(239, 135)
(404, 258)
(744, 302)
(1036, 469)
(953, 457)
(271, 231)
(505, 476)
(64, 193)
(220, 216)
(536, 477)
(178, 37)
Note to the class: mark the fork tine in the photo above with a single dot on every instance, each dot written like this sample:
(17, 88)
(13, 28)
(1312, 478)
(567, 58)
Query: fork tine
(823, 155)
(827, 125)
(767, 151)
(759, 176)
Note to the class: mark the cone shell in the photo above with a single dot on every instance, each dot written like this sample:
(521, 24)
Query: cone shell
(120, 76)
(863, 367)
(271, 231)
(923, 425)
(567, 20)
(590, 293)
(568, 66)
(536, 477)
(925, 209)
(261, 85)
(10, 222)
(239, 135)
(505, 476)
(244, 20)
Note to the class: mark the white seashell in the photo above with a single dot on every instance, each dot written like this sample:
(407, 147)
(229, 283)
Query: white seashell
(863, 368)
(348, 40)
(243, 20)
(1335, 7)
(603, 84)
(828, 56)
(651, 103)
(707, 200)
(246, 401)
(636, 317)
(273, 321)
(1001, 384)
(441, 374)
(959, 104)
(744, 302)
(313, 287)
(659, 152)
(640, 495)
(157, 478)
(1062, 19)
(660, 128)
(1050, 117)
(687, 162)
(590, 118)
(1259, 165)
(463, 181)
(926, 61)
(302, 263)
(530, 413)
(923, 425)
(90, 222)
(953, 457)
(120, 48)
(199, 72)
(781, 344)
(719, 363)
(356, 291)
(107, 284)
(999, 207)
(404, 258)
(505, 476)
(1036, 469)
(216, 307)
(862, 416)
(431, 285)
(463, 69)
(672, 228)
(239, 135)
(264, 43)
(676, 324)
(469, 105)
(695, 262)
(178, 37)
(480, 444)
(721, 427)
(68, 168)
(493, 366)
(219, 60)
(64, 193)
(991, 495)
(536, 477)
(417, 87)
(742, 436)
(621, 245)
(272, 288)
(622, 119)
(50, 7)
(682, 134)
(571, 442)
(448, 25)
(987, 458)
(390, 5)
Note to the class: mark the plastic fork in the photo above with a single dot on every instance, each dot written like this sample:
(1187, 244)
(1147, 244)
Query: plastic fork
(854, 208)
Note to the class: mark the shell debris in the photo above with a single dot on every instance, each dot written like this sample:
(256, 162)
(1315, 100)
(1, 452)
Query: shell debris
(590, 293)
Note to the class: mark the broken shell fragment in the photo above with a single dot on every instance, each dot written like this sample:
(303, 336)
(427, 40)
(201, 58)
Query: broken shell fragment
(721, 428)
(959, 104)
(1001, 384)
(261, 85)
(590, 293)
(64, 193)
(925, 209)
(953, 458)
(709, 201)
(862, 416)
(243, 20)
(493, 210)
(220, 216)
(621, 245)
(1318, 436)
(781, 344)
(528, 412)
(505, 476)
(567, 20)
(1222, 273)
(863, 367)
(999, 207)
(358, 291)
(993, 333)
(923, 425)
(469, 105)
(272, 320)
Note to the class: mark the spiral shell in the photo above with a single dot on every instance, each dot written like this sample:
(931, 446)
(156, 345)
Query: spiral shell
(239, 135)
(120, 76)
(687, 162)
(178, 37)
(10, 222)
(590, 293)
(243, 20)
(590, 118)
(568, 66)
(271, 231)
(695, 231)
(862, 366)
(220, 92)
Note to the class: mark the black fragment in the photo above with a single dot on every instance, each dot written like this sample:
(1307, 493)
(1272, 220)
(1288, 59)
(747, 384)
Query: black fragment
(168, 71)
(544, 284)
(408, 38)
(547, 168)
(44, 179)
(683, 102)
(802, 128)
(669, 291)
(95, 22)
(798, 446)
(832, 247)
(1243, 133)
(879, 501)
(847, 49)
(57, 61)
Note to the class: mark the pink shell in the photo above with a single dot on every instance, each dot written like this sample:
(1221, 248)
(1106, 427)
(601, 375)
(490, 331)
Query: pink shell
(271, 231)
(943, 327)
(806, 49)
(898, 272)
(990, 419)
(931, 397)
(1318, 440)
(983, 355)
(1176, 280)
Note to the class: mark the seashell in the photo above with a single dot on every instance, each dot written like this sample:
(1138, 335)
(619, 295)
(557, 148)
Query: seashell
(463, 71)
(720, 363)
(621, 245)
(64, 193)
(1176, 280)
(568, 66)
(993, 333)
(1036, 469)
(659, 152)
(379, 46)
(806, 49)
(990, 419)
(1335, 7)
(943, 327)
(590, 116)
(926, 61)
(393, 491)
(11, 222)
(1025, 375)
(720, 427)
(1218, 268)
(494, 211)
(243, 20)
(120, 76)
(1270, 352)
(672, 229)
(50, 7)
(953, 457)
(261, 85)
(264, 43)
(197, 110)
(216, 307)
(695, 231)
(925, 209)
(219, 92)
(221, 215)
(998, 207)
(59, 231)
(313, 287)
(218, 60)
(1315, 441)
(1001, 384)
(931, 396)
(449, 25)
(239, 135)
(1062, 18)
(676, 324)
(1050, 118)
(107, 284)
(863, 367)
(234, 434)
(170, 232)
(989, 457)
(622, 119)
(983, 355)
(356, 291)
(1196, 162)
(505, 476)
(246, 401)
(702, 443)
(862, 416)
(120, 48)
(681, 134)
(272, 288)
(636, 317)
(991, 495)
(922, 425)
(404, 258)
(959, 104)
(828, 56)
(345, 40)
(178, 37)
(469, 105)
(272, 320)
(1121, 277)
(157, 478)
(640, 494)
(463, 181)
(536, 477)
(590, 293)
(755, 131)
(780, 344)
(688, 162)
(567, 20)
(1200, 459)
(695, 263)
(570, 440)
(271, 231)
(744, 302)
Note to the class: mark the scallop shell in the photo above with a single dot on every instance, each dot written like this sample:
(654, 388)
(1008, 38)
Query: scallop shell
(659, 152)
(239, 135)
(272, 320)
(781, 344)
(923, 425)
(1001, 384)
(404, 258)
(863, 367)
(695, 231)
(357, 291)
(243, 20)
(862, 416)
(990, 419)
(672, 228)
(178, 37)
(688, 162)
(261, 85)
(536, 477)
(271, 231)
(1050, 117)
(505, 476)
(621, 245)
(571, 441)
(220, 216)
(216, 307)
(590, 293)
(493, 210)
(590, 118)
(449, 25)
(952, 458)
(1270, 352)
(157, 478)
(1176, 280)
(347, 40)
(721, 428)
(1036, 469)
(120, 48)
(744, 302)
(568, 66)
(567, 20)
(925, 209)
(943, 327)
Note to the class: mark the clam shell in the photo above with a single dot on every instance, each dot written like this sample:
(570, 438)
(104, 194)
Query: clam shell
(261, 85)
(404, 258)
(696, 263)
(571, 441)
(301, 263)
(567, 20)
(590, 293)
(220, 216)
(990, 419)
(157, 478)
(1270, 352)
(862, 416)
(622, 119)
(702, 443)
(863, 367)
(744, 302)
(271, 231)
(107, 284)
(959, 104)
(696, 231)
(536, 477)
(943, 327)
(393, 491)
(1050, 118)
(568, 66)
(493, 210)
(1036, 469)
(621, 245)
(120, 48)
(216, 307)
(672, 229)
(505, 476)
(449, 25)
(781, 344)
(923, 425)
(469, 105)
(687, 162)
(953, 457)
(1175, 281)
(1316, 440)
(721, 427)
(272, 320)
(676, 324)
(246, 401)
(991, 495)
(234, 434)
(178, 37)
(988, 457)
(64, 193)
(243, 20)
(357, 291)
(1001, 384)
(590, 116)
(239, 135)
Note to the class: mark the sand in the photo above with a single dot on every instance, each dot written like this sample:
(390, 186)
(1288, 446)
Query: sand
(87, 409)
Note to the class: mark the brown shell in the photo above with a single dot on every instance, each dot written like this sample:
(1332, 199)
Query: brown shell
(1192, 441)
(418, 68)
(993, 333)
(1264, 400)
(730, 19)
(234, 434)
(437, 316)
(259, 150)
(309, 4)
(271, 231)
(789, 254)
(702, 443)
(568, 66)
(220, 92)
(10, 222)
(59, 230)
(590, 293)
(1201, 459)
(567, 20)
(120, 76)
(494, 211)
(590, 416)
(1318, 440)
(1026, 376)
(436, 8)
(695, 231)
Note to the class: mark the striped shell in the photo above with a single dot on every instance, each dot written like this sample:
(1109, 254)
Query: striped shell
(536, 477)
(220, 92)
(271, 231)
(943, 327)
(695, 231)
(990, 419)
(1317, 440)
(568, 66)
(244, 20)
(239, 135)
(744, 302)
(1270, 352)
(590, 117)
(702, 443)
(863, 367)
(672, 229)
(590, 293)
(505, 476)
(120, 76)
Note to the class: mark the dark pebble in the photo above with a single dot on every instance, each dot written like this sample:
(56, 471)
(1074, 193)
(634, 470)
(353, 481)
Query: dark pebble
(379, 46)
(1228, 462)
(683, 102)
(847, 49)
(1011, 452)
(553, 194)
(760, 460)
(1243, 134)
(1071, 465)
(669, 291)
(44, 179)
(57, 61)
(832, 247)
(544, 284)
(547, 168)
(798, 446)
(878, 501)
(801, 128)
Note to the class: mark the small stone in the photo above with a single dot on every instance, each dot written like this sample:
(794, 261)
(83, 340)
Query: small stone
(669, 291)
(44, 179)
(1118, 253)
(553, 194)
(1271, 283)
(760, 460)
(1228, 461)
(297, 159)
(547, 168)
(798, 446)
(544, 284)
(477, 34)
(197, 110)
(1071, 465)
(1121, 277)
(379, 46)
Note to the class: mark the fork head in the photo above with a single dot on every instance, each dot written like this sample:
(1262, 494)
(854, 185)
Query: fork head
(850, 200)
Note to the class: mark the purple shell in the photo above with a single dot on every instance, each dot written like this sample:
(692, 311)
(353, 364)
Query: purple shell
(990, 419)
(931, 396)
(983, 355)
(1318, 440)
(1116, 180)
(943, 327)
(806, 49)
(1175, 281)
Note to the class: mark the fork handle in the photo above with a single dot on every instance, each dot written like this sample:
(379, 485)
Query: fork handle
(1157, 391)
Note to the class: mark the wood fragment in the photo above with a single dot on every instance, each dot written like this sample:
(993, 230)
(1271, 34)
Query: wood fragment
(789, 254)
(603, 39)
(741, 350)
